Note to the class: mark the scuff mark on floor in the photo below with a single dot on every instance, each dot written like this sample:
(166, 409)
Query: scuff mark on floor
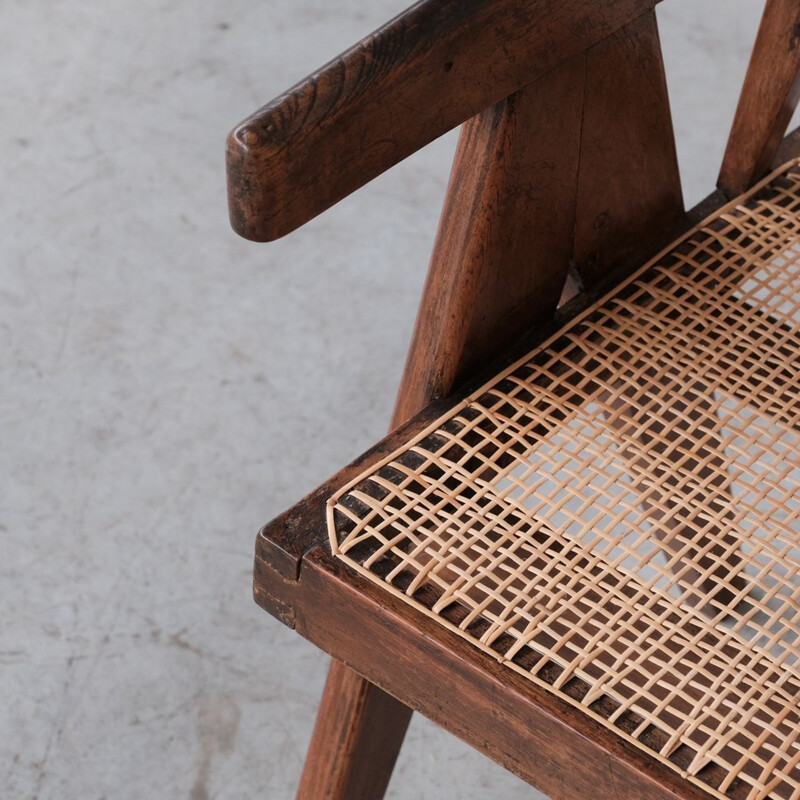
(218, 718)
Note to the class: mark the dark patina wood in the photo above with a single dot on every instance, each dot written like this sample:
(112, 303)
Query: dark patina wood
(357, 737)
(570, 160)
(524, 728)
(431, 68)
(629, 188)
(505, 237)
(768, 99)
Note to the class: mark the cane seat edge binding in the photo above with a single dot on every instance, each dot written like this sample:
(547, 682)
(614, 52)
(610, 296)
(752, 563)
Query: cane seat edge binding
(414, 566)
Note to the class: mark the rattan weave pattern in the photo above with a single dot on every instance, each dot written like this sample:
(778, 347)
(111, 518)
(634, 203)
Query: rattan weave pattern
(617, 516)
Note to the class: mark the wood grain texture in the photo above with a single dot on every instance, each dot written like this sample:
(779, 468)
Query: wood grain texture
(505, 237)
(769, 96)
(431, 68)
(539, 737)
(629, 190)
(358, 735)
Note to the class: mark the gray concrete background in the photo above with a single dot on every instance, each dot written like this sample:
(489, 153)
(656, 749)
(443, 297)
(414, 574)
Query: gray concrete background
(167, 387)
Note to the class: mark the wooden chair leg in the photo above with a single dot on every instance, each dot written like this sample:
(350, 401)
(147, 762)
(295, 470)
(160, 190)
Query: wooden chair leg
(356, 740)
(359, 728)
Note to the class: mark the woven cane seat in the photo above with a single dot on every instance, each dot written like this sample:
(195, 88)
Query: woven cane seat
(615, 516)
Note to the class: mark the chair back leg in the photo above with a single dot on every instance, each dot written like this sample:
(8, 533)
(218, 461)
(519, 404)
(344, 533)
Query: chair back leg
(769, 97)
(357, 737)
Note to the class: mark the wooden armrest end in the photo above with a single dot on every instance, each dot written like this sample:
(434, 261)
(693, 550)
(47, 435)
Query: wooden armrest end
(428, 70)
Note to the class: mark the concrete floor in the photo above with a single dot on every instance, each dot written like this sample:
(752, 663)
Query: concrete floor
(167, 387)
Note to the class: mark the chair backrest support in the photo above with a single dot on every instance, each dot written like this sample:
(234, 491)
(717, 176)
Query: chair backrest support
(769, 97)
(578, 168)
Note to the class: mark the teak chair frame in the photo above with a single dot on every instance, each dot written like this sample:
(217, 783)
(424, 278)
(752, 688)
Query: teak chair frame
(565, 176)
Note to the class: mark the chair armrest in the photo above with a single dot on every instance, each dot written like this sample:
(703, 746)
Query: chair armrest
(428, 70)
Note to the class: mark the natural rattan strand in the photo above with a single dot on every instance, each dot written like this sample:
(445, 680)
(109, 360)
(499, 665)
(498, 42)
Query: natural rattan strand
(617, 516)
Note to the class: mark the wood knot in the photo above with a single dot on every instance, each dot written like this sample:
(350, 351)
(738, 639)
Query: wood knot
(603, 221)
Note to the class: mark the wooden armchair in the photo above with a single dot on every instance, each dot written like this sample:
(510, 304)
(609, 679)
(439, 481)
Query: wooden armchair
(579, 547)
